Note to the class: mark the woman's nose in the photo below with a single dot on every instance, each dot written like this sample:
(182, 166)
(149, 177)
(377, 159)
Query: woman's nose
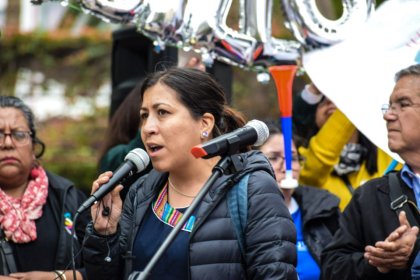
(7, 140)
(281, 165)
(149, 126)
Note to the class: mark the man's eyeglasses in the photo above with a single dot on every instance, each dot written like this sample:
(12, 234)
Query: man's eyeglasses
(397, 107)
(19, 138)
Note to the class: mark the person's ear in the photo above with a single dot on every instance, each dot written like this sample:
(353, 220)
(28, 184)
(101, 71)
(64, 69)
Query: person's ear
(207, 124)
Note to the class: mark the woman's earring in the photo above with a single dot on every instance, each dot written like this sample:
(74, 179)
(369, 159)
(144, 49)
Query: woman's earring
(204, 134)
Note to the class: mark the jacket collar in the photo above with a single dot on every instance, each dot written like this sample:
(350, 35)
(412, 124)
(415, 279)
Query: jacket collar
(315, 203)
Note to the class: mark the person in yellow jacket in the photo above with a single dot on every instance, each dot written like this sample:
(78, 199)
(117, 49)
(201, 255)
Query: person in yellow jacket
(338, 157)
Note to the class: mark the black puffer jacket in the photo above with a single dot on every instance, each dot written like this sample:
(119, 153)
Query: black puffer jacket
(320, 216)
(213, 251)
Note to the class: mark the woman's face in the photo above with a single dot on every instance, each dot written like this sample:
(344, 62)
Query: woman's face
(168, 130)
(16, 161)
(273, 149)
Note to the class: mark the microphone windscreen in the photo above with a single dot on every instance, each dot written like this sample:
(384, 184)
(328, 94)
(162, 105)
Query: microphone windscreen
(261, 129)
(139, 158)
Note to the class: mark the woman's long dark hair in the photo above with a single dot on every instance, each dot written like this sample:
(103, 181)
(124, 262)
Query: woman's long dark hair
(124, 124)
(370, 155)
(201, 94)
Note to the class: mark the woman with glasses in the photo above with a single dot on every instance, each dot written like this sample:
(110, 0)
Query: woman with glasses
(36, 207)
(339, 158)
(315, 212)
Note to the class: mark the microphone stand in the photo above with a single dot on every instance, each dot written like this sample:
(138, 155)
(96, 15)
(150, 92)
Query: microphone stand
(231, 162)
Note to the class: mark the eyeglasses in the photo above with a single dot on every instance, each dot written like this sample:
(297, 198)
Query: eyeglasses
(278, 158)
(19, 138)
(397, 107)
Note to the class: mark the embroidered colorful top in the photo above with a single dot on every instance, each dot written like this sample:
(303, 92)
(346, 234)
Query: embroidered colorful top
(169, 215)
(153, 231)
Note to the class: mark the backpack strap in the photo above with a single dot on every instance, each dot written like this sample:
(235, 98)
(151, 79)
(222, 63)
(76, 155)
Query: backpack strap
(7, 257)
(237, 199)
(400, 201)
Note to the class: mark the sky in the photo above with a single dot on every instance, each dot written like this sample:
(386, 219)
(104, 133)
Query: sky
(51, 102)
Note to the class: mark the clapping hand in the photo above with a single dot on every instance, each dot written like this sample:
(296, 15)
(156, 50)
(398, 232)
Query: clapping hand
(395, 251)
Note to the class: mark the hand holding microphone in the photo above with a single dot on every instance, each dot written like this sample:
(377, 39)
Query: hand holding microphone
(107, 212)
(107, 187)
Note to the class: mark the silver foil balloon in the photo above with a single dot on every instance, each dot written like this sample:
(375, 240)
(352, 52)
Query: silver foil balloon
(196, 30)
(205, 29)
(116, 11)
(231, 46)
(160, 20)
(255, 21)
(251, 48)
(201, 26)
(312, 29)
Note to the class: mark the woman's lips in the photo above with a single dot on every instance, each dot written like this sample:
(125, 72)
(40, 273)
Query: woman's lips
(153, 150)
(9, 159)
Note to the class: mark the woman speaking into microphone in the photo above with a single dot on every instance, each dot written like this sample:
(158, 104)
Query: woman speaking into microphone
(180, 109)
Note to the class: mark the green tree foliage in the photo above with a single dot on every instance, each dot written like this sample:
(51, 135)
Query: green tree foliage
(72, 146)
(81, 63)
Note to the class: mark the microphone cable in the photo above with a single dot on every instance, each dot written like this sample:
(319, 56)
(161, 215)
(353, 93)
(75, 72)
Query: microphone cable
(72, 263)
(106, 211)
(74, 236)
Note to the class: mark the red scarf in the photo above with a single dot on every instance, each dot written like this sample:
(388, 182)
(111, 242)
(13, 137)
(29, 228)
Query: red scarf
(18, 215)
